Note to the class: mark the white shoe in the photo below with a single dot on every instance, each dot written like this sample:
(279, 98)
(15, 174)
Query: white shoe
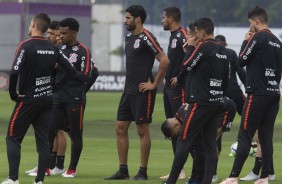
(56, 171)
(9, 181)
(250, 177)
(271, 177)
(40, 182)
(230, 181)
(262, 181)
(47, 173)
(214, 178)
(181, 176)
(31, 170)
(69, 173)
(164, 177)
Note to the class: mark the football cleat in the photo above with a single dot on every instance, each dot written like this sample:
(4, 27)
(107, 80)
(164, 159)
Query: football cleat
(118, 176)
(56, 171)
(250, 177)
(9, 181)
(47, 173)
(31, 170)
(70, 173)
(214, 178)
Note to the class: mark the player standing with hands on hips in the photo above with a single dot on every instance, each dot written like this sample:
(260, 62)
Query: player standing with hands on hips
(138, 99)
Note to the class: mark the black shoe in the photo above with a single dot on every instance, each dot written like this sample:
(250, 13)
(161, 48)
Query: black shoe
(118, 176)
(140, 176)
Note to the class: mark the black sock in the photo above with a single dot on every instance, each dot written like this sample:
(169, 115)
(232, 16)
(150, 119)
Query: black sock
(215, 170)
(234, 174)
(257, 165)
(143, 170)
(53, 160)
(271, 172)
(60, 161)
(123, 169)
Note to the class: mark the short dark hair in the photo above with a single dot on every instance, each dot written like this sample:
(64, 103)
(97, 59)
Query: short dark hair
(258, 13)
(220, 38)
(42, 21)
(173, 12)
(71, 23)
(166, 129)
(54, 25)
(137, 11)
(191, 26)
(206, 24)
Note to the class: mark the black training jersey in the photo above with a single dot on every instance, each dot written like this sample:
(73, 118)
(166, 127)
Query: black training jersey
(234, 91)
(33, 64)
(262, 56)
(180, 114)
(210, 75)
(140, 52)
(175, 55)
(72, 89)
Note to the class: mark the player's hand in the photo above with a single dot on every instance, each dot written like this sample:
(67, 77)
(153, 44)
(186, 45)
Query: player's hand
(17, 97)
(186, 105)
(174, 82)
(192, 41)
(248, 35)
(227, 127)
(146, 86)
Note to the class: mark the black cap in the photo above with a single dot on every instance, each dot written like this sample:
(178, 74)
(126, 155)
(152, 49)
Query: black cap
(221, 38)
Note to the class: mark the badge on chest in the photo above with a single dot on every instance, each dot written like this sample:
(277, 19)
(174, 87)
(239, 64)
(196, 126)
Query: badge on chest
(73, 58)
(137, 43)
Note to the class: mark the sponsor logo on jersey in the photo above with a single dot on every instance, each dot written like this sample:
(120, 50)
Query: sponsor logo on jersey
(273, 90)
(213, 92)
(274, 44)
(173, 43)
(178, 35)
(215, 82)
(137, 43)
(44, 93)
(75, 48)
(220, 99)
(195, 61)
(42, 88)
(93, 63)
(220, 56)
(19, 60)
(45, 52)
(141, 35)
(151, 46)
(249, 50)
(64, 47)
(73, 58)
(273, 83)
(42, 80)
(129, 34)
(269, 72)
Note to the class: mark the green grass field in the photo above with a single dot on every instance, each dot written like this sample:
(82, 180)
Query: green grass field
(99, 156)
